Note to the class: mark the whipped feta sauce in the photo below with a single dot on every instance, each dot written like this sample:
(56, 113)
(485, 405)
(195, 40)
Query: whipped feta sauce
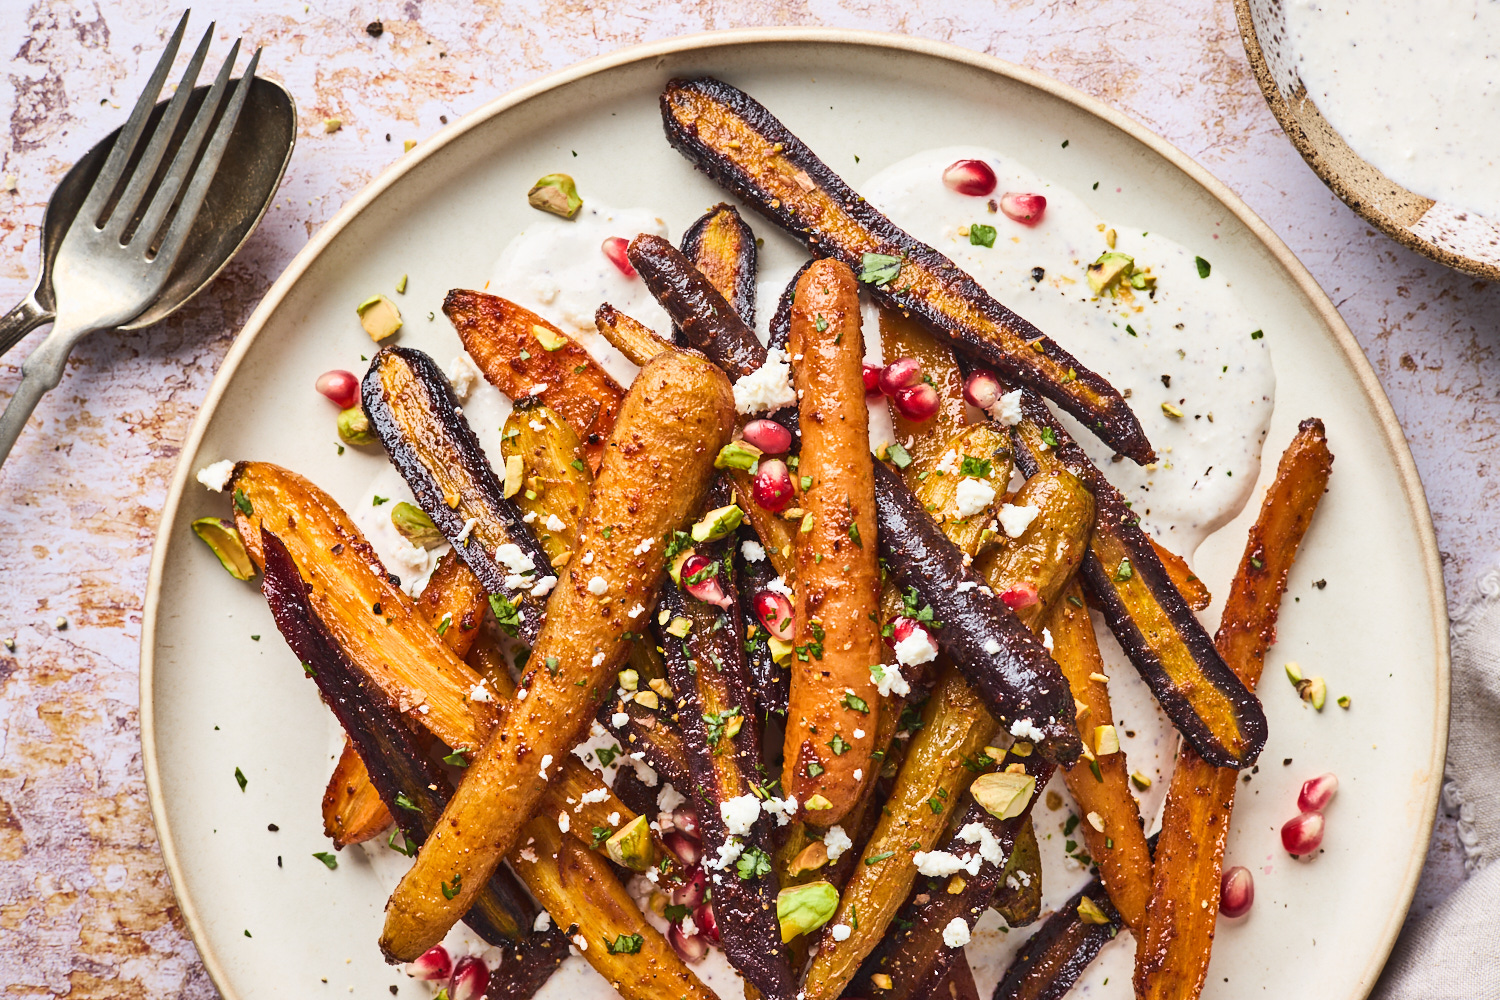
(1190, 347)
(1412, 87)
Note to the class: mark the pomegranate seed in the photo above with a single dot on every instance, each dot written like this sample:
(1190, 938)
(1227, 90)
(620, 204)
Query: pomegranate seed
(775, 613)
(708, 924)
(902, 628)
(1022, 595)
(707, 589)
(691, 892)
(872, 379)
(471, 977)
(899, 374)
(773, 485)
(1026, 209)
(339, 386)
(1316, 792)
(432, 965)
(687, 821)
(691, 949)
(769, 436)
(1236, 892)
(685, 847)
(1302, 835)
(982, 390)
(918, 402)
(614, 248)
(971, 177)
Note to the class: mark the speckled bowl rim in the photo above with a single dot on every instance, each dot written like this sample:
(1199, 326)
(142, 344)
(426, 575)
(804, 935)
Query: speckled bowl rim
(1328, 172)
(1354, 357)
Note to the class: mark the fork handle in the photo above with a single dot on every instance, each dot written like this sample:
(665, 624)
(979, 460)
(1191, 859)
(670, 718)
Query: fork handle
(39, 375)
(25, 317)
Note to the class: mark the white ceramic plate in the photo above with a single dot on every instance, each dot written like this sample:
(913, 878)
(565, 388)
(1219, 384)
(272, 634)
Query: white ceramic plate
(214, 700)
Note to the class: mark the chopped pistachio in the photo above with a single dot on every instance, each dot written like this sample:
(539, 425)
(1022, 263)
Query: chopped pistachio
(781, 650)
(331, 125)
(515, 471)
(630, 680)
(812, 857)
(674, 568)
(223, 539)
(1096, 821)
(801, 909)
(1089, 912)
(818, 803)
(737, 455)
(680, 627)
(1106, 273)
(555, 193)
(354, 427)
(660, 686)
(647, 699)
(631, 845)
(415, 526)
(1005, 794)
(1172, 410)
(1293, 671)
(408, 145)
(401, 286)
(550, 339)
(718, 523)
(1343, 701)
(1140, 780)
(1020, 748)
(1109, 239)
(793, 514)
(379, 316)
(881, 981)
(1313, 690)
(807, 524)
(1106, 740)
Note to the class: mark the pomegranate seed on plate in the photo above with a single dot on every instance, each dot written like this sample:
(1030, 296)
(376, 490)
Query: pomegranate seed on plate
(691, 949)
(339, 386)
(691, 892)
(432, 965)
(1316, 792)
(707, 590)
(687, 821)
(614, 248)
(685, 847)
(1236, 892)
(773, 485)
(918, 402)
(708, 924)
(982, 390)
(1024, 208)
(872, 379)
(899, 374)
(471, 977)
(775, 613)
(1022, 595)
(971, 177)
(769, 436)
(1303, 834)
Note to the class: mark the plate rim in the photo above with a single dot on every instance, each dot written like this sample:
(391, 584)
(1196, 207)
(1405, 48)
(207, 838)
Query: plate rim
(1353, 356)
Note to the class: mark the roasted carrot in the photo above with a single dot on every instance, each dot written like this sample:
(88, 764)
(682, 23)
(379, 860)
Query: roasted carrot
(1053, 958)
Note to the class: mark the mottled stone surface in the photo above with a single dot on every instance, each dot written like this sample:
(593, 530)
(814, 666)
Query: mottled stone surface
(85, 906)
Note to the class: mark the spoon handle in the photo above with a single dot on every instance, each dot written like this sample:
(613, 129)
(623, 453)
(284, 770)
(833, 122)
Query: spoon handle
(25, 317)
(40, 373)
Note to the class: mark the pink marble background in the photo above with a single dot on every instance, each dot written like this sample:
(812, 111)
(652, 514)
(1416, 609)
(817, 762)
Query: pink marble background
(86, 909)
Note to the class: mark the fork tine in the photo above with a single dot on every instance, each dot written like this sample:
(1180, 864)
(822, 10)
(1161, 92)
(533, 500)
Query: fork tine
(176, 177)
(145, 170)
(197, 189)
(119, 156)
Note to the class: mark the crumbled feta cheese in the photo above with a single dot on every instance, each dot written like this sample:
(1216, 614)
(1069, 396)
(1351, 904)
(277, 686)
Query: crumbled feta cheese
(529, 856)
(598, 659)
(1023, 729)
(836, 842)
(597, 586)
(529, 516)
(216, 476)
(463, 375)
(739, 814)
(614, 819)
(966, 586)
(859, 734)
(948, 464)
(689, 926)
(594, 795)
(636, 611)
(538, 389)
(729, 852)
(588, 559)
(544, 919)
(989, 846)
(778, 586)
(555, 523)
(991, 647)
(544, 586)
(536, 425)
(511, 557)
(972, 496)
(782, 809)
(546, 763)
(619, 720)
(941, 864)
(563, 823)
(515, 581)
(1015, 520)
(1008, 409)
(840, 932)
(916, 648)
(752, 550)
(669, 798)
(644, 547)
(768, 387)
(888, 679)
(956, 934)
(859, 774)
(480, 693)
(463, 536)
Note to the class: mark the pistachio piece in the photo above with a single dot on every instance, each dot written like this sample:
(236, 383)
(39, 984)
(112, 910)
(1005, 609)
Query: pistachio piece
(802, 909)
(660, 686)
(1020, 748)
(379, 316)
(515, 471)
(738, 455)
(1140, 780)
(630, 680)
(674, 568)
(781, 650)
(1293, 671)
(415, 526)
(1313, 690)
(718, 523)
(1106, 273)
(354, 427)
(818, 803)
(631, 845)
(1106, 740)
(550, 340)
(647, 699)
(223, 539)
(1089, 912)
(813, 857)
(1343, 701)
(881, 981)
(1003, 794)
(555, 193)
(680, 627)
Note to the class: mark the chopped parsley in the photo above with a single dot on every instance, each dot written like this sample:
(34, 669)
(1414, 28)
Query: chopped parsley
(854, 534)
(680, 540)
(706, 573)
(838, 745)
(243, 503)
(978, 468)
(406, 847)
(935, 804)
(1257, 334)
(507, 614)
(329, 861)
(377, 501)
(601, 834)
(722, 724)
(899, 456)
(753, 863)
(1204, 267)
(1049, 437)
(981, 235)
(1124, 571)
(458, 758)
(577, 464)
(607, 755)
(675, 912)
(239, 776)
(875, 859)
(879, 269)
(409, 805)
(814, 769)
(450, 891)
(820, 323)
(858, 704)
(912, 608)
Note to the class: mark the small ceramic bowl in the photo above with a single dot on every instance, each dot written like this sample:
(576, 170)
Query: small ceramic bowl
(1456, 237)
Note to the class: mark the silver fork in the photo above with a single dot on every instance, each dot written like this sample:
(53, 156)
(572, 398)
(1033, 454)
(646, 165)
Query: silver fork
(110, 268)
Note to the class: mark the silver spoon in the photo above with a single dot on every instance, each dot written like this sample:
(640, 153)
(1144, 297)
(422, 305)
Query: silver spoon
(191, 218)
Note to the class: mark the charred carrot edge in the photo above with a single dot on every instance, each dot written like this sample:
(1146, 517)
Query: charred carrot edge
(771, 682)
(742, 146)
(1053, 958)
(1172, 960)
(781, 319)
(702, 314)
(413, 411)
(721, 246)
(1170, 649)
(711, 686)
(503, 339)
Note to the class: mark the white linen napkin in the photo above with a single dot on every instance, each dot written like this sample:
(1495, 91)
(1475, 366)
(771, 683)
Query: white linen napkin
(1453, 953)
